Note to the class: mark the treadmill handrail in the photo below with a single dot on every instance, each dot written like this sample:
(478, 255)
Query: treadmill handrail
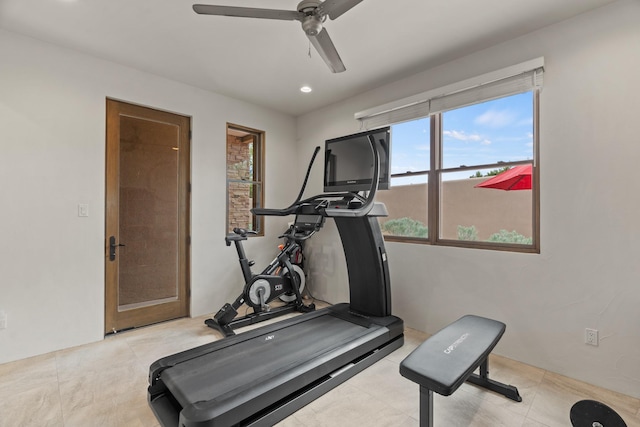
(332, 212)
(293, 206)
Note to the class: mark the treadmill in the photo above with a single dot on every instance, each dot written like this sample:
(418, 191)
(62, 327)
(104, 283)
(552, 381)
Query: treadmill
(260, 377)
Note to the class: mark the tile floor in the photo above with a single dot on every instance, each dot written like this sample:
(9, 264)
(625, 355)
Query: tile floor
(104, 384)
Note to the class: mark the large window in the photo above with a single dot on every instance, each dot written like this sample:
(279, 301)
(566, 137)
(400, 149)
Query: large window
(245, 186)
(467, 176)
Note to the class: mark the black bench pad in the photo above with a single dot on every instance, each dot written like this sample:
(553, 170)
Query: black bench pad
(448, 358)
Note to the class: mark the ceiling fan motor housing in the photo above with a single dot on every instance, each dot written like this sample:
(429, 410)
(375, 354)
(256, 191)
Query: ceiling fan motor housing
(312, 22)
(311, 25)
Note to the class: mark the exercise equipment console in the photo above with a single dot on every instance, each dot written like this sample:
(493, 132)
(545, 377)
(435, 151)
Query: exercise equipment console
(260, 377)
(447, 359)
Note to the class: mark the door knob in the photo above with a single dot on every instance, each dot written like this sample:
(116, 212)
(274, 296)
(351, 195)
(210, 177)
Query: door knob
(112, 248)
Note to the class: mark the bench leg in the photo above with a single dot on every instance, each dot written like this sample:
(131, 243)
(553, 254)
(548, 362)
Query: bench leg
(483, 380)
(426, 407)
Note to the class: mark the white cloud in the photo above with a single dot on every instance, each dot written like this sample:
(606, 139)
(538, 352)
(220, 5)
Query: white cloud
(461, 135)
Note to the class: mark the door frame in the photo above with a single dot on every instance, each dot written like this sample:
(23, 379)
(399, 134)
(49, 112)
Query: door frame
(116, 320)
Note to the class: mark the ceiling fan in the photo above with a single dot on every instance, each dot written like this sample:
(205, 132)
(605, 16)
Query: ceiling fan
(311, 13)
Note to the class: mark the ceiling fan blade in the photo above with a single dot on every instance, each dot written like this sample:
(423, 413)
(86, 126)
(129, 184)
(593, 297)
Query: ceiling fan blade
(323, 44)
(335, 8)
(247, 12)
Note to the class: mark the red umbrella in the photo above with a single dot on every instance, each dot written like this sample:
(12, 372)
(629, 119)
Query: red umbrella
(516, 178)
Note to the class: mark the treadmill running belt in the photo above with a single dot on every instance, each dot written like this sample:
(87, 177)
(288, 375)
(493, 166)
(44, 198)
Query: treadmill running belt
(237, 369)
(261, 376)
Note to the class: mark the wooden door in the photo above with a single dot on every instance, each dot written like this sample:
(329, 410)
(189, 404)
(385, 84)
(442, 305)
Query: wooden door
(147, 216)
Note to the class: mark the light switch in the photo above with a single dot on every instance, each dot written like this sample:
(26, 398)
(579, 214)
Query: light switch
(83, 209)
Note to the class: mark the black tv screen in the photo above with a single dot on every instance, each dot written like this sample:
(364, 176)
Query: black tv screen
(349, 164)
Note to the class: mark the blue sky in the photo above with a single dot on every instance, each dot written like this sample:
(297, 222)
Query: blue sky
(498, 130)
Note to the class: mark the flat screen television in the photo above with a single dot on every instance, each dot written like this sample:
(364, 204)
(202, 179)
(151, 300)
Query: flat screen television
(348, 161)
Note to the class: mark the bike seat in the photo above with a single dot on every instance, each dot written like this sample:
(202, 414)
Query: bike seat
(234, 238)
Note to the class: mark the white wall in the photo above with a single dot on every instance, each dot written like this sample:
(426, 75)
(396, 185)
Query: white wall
(588, 271)
(52, 139)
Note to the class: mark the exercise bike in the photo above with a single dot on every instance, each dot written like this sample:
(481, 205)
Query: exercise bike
(282, 279)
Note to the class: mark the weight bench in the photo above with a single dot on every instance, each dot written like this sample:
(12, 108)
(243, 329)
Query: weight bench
(450, 357)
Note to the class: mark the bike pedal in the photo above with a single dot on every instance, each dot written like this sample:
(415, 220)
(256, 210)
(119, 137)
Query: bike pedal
(226, 314)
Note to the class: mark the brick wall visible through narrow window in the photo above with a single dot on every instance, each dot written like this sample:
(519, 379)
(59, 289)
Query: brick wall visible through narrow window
(244, 177)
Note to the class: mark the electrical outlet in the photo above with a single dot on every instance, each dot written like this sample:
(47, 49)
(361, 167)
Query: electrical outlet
(591, 336)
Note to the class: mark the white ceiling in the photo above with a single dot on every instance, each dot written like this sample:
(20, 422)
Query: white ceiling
(266, 62)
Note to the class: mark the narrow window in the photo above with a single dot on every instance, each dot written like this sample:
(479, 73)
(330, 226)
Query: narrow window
(245, 179)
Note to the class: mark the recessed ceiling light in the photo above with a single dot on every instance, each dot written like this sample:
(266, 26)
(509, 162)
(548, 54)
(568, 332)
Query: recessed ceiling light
(305, 89)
